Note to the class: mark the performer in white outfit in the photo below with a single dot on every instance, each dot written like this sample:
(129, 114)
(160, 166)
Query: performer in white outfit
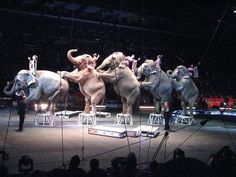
(158, 62)
(33, 64)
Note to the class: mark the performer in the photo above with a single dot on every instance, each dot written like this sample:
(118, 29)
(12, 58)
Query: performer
(166, 114)
(158, 62)
(131, 62)
(21, 107)
(191, 70)
(33, 64)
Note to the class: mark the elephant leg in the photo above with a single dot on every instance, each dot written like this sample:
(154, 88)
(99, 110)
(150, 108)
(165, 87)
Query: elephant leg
(87, 106)
(191, 110)
(129, 109)
(134, 97)
(50, 108)
(94, 109)
(184, 108)
(124, 105)
(54, 97)
(129, 105)
(96, 98)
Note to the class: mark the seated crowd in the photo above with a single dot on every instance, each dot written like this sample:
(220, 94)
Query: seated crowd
(219, 164)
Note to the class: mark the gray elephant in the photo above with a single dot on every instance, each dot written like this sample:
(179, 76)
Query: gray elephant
(157, 82)
(185, 87)
(44, 84)
(123, 79)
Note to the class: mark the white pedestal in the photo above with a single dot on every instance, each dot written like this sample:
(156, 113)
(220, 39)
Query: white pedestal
(67, 114)
(106, 115)
(181, 119)
(124, 119)
(87, 119)
(43, 119)
(156, 119)
(146, 130)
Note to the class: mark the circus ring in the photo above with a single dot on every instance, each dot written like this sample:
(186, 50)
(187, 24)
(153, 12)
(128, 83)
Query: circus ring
(52, 146)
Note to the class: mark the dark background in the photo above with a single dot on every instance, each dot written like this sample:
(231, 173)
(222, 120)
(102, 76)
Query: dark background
(185, 32)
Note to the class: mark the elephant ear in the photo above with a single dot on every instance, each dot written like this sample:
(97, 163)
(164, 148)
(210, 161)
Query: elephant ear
(26, 76)
(31, 79)
(153, 66)
(183, 71)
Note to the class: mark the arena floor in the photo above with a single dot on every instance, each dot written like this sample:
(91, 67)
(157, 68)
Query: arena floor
(52, 146)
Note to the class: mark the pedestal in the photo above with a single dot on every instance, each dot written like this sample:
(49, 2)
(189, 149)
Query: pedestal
(67, 114)
(181, 119)
(44, 119)
(87, 119)
(124, 119)
(156, 119)
(106, 115)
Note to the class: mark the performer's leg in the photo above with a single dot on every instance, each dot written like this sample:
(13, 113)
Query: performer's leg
(21, 123)
(167, 119)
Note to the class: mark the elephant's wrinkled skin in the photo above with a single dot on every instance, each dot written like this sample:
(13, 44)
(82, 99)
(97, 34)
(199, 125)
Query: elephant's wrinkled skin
(123, 79)
(186, 88)
(157, 82)
(45, 83)
(92, 87)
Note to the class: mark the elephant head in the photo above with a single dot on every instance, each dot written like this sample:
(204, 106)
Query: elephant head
(113, 61)
(147, 68)
(22, 81)
(179, 72)
(81, 61)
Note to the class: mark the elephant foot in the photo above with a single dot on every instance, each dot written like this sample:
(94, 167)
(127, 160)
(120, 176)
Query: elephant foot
(93, 112)
(86, 112)
(49, 112)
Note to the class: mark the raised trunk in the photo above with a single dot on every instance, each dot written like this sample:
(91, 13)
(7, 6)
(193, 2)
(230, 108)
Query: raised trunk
(10, 92)
(169, 72)
(105, 62)
(71, 58)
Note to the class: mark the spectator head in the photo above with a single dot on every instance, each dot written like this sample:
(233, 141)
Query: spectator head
(179, 153)
(131, 160)
(94, 163)
(3, 171)
(153, 165)
(74, 162)
(228, 154)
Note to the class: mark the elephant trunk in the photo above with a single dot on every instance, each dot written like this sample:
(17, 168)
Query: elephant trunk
(105, 62)
(138, 73)
(169, 73)
(9, 92)
(71, 58)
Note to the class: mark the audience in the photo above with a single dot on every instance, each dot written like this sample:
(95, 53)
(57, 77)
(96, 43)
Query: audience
(220, 164)
(74, 169)
(3, 171)
(95, 171)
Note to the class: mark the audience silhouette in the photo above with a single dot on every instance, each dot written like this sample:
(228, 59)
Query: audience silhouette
(220, 164)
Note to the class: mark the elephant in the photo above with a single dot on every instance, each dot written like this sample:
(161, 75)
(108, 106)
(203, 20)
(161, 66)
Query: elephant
(185, 87)
(157, 82)
(123, 79)
(44, 84)
(85, 75)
